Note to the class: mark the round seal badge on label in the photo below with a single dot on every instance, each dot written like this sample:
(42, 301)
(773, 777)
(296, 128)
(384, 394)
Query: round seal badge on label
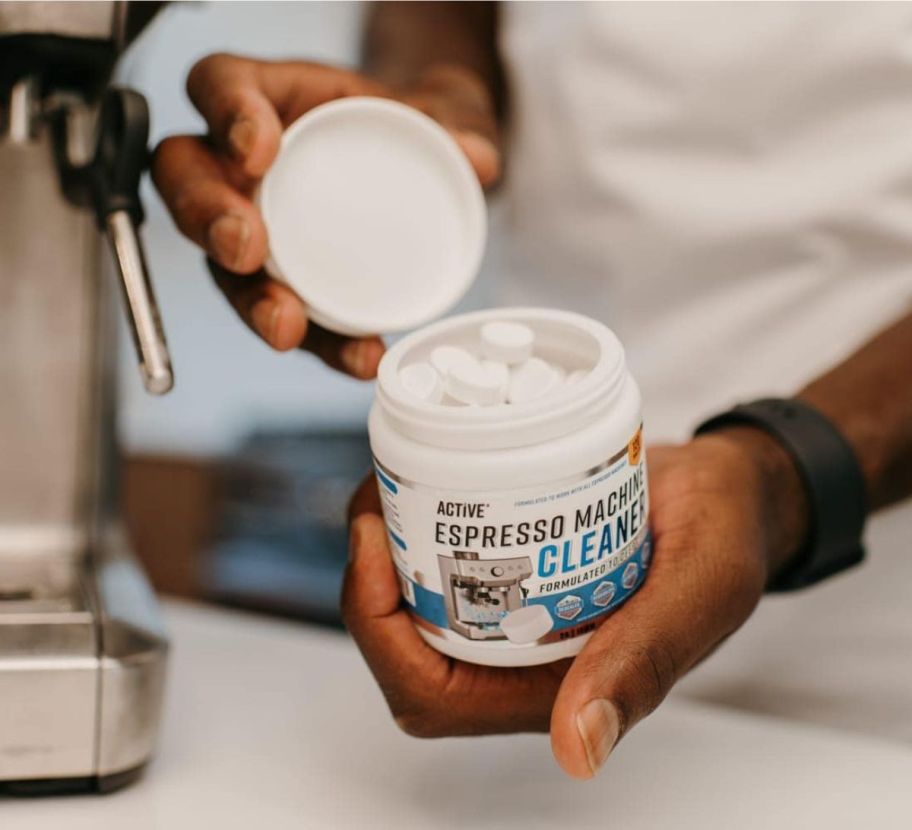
(569, 608)
(603, 594)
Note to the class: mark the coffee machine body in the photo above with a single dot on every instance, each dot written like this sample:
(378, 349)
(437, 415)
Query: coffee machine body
(82, 648)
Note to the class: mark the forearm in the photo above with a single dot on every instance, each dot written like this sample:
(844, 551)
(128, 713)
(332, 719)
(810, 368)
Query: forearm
(868, 398)
(405, 40)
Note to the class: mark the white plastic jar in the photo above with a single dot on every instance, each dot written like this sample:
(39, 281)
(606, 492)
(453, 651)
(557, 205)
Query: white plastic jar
(515, 528)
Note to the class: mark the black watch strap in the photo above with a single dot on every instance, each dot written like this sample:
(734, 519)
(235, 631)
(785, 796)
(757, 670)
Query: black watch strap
(831, 474)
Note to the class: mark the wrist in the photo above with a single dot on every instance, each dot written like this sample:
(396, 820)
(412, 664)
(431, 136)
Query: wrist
(867, 436)
(781, 496)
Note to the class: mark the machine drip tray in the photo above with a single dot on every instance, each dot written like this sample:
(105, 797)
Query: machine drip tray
(82, 668)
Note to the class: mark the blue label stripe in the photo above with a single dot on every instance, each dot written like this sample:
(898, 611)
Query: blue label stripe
(387, 482)
(431, 606)
(396, 539)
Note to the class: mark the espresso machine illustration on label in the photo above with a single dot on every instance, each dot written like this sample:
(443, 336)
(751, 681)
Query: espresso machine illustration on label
(479, 593)
(82, 648)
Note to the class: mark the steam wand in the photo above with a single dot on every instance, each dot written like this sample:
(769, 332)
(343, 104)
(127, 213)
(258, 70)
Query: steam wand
(114, 176)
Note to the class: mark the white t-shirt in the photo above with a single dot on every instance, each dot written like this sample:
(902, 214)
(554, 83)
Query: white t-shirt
(728, 186)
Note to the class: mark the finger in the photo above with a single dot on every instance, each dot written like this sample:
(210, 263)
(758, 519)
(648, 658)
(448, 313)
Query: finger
(246, 103)
(482, 154)
(274, 312)
(295, 87)
(366, 499)
(228, 93)
(463, 106)
(475, 132)
(270, 309)
(206, 206)
(356, 356)
(635, 657)
(372, 585)
(371, 608)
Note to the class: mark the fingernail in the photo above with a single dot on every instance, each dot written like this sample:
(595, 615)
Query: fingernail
(228, 237)
(265, 317)
(353, 357)
(241, 137)
(598, 724)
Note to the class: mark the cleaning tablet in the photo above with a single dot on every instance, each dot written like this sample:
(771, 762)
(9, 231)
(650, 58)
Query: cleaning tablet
(499, 370)
(531, 380)
(472, 383)
(507, 342)
(444, 358)
(422, 381)
(526, 625)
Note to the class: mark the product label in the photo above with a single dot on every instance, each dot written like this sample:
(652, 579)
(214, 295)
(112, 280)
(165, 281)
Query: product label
(472, 563)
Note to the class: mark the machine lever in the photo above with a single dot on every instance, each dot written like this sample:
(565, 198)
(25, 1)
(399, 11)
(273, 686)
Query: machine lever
(121, 154)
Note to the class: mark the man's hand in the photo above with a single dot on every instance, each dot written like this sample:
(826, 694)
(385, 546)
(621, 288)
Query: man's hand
(207, 181)
(726, 511)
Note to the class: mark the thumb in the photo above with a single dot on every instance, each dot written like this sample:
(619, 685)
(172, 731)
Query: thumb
(633, 659)
(615, 682)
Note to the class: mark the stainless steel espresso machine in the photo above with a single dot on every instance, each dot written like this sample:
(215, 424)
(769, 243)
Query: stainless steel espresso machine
(82, 650)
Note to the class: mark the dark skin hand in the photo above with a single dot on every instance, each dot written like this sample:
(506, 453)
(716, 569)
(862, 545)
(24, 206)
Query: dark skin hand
(728, 512)
(207, 182)
(713, 556)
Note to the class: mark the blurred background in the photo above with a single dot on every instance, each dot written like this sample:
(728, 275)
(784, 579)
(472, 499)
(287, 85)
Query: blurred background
(248, 437)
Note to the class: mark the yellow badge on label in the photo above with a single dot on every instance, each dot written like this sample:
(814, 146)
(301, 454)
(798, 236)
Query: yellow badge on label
(635, 447)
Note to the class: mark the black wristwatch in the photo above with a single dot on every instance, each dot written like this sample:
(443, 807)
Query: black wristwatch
(833, 479)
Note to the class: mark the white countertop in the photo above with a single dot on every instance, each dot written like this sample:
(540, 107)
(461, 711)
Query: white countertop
(273, 725)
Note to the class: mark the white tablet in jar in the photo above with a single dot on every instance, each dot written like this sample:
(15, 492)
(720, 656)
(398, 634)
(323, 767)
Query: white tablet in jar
(506, 341)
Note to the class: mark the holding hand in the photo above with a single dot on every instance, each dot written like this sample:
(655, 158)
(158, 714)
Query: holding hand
(727, 509)
(207, 181)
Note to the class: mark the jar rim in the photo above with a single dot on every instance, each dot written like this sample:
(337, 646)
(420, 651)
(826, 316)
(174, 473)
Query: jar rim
(504, 426)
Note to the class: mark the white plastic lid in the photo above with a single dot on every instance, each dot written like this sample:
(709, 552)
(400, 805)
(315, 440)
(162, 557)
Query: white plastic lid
(375, 216)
